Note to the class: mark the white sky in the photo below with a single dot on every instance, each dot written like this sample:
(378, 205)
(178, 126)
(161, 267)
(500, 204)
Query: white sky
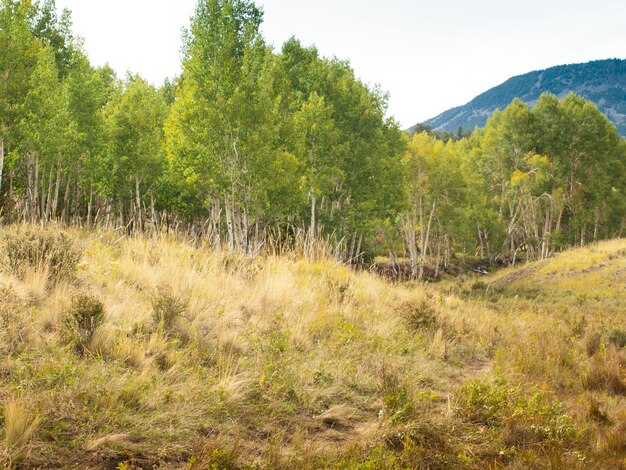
(430, 55)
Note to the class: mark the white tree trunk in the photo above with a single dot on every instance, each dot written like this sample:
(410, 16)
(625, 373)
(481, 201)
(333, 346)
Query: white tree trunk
(424, 239)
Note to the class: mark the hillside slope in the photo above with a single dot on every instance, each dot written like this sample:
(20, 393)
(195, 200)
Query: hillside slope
(156, 353)
(603, 82)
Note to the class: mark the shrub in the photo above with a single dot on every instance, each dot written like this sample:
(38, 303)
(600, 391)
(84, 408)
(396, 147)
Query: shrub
(540, 420)
(50, 250)
(166, 310)
(592, 342)
(13, 328)
(398, 404)
(85, 315)
(482, 402)
(419, 315)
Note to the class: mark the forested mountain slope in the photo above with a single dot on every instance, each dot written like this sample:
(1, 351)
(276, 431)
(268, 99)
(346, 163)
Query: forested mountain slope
(603, 82)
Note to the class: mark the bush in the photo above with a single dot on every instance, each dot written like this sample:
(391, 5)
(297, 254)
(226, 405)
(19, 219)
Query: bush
(13, 327)
(166, 310)
(483, 403)
(80, 323)
(32, 248)
(419, 315)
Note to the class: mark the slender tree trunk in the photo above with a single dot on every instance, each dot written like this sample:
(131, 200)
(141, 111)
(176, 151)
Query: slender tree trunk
(313, 228)
(481, 243)
(1, 162)
(66, 201)
(89, 206)
(35, 212)
(446, 255)
(358, 250)
(352, 247)
(438, 257)
(49, 195)
(138, 204)
(229, 224)
(245, 229)
(29, 189)
(57, 188)
(596, 222)
(583, 231)
(153, 215)
(424, 238)
(410, 239)
(10, 196)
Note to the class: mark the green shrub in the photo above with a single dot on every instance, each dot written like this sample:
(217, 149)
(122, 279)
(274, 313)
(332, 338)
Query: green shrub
(399, 407)
(34, 248)
(483, 403)
(84, 316)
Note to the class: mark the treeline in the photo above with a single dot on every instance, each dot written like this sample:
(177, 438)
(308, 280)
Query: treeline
(249, 145)
(245, 140)
(532, 182)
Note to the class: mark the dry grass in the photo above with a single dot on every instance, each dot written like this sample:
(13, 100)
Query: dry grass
(19, 427)
(215, 360)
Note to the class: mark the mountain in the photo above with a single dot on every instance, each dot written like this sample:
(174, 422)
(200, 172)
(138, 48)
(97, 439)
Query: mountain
(602, 81)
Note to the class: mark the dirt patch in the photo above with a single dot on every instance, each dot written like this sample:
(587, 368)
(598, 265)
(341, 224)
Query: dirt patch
(518, 275)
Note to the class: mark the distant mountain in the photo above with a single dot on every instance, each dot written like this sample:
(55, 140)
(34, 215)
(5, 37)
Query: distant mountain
(602, 81)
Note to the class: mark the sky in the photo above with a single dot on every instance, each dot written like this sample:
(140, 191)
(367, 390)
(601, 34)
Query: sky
(429, 55)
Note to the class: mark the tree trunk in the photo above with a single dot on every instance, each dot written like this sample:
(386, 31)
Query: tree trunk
(312, 228)
(49, 195)
(410, 239)
(583, 231)
(245, 229)
(138, 204)
(29, 189)
(89, 205)
(57, 188)
(35, 212)
(66, 201)
(153, 215)
(424, 239)
(1, 162)
(229, 224)
(481, 243)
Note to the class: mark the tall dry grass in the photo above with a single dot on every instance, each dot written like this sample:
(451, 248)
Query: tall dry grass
(159, 353)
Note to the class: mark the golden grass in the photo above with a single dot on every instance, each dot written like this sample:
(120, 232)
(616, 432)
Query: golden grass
(216, 360)
(19, 427)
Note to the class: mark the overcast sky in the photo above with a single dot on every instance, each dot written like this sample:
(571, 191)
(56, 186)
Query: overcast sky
(429, 55)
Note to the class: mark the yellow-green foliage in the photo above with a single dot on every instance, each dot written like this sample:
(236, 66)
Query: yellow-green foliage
(179, 356)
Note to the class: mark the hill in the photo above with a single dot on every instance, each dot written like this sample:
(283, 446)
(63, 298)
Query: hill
(603, 82)
(156, 353)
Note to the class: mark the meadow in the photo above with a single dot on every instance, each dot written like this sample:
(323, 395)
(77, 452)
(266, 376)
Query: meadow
(158, 352)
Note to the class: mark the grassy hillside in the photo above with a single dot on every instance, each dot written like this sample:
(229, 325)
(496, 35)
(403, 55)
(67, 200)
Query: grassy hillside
(155, 353)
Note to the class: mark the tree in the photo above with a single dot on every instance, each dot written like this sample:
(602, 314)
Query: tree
(215, 121)
(134, 120)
